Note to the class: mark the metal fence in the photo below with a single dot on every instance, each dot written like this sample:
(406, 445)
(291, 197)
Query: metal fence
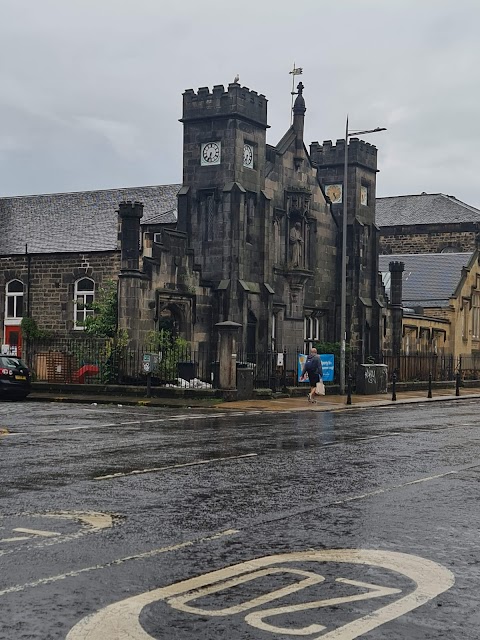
(97, 361)
(269, 373)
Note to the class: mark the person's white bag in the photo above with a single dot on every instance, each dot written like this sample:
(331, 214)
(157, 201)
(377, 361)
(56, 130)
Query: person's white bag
(320, 389)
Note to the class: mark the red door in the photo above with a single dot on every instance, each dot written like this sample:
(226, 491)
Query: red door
(13, 337)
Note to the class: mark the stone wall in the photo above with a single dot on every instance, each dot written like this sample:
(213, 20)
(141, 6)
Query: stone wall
(429, 238)
(52, 282)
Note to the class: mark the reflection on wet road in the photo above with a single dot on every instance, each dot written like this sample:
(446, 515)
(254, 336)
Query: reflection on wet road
(190, 493)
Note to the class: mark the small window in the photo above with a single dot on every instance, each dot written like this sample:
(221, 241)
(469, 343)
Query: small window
(311, 332)
(14, 300)
(83, 300)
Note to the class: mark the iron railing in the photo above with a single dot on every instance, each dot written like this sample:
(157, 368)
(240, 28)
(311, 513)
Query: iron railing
(98, 361)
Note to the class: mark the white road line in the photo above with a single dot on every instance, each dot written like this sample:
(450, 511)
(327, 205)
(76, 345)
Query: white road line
(400, 486)
(137, 472)
(18, 539)
(37, 532)
(139, 556)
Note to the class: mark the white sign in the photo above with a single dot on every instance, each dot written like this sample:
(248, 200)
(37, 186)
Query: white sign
(280, 359)
(121, 620)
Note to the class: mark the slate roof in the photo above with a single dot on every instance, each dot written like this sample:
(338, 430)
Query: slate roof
(426, 208)
(72, 222)
(429, 279)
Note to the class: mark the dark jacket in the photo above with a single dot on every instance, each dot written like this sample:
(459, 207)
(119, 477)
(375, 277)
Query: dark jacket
(316, 369)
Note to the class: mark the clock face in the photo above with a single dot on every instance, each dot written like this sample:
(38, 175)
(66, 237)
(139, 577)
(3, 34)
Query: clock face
(248, 156)
(334, 192)
(210, 153)
(364, 196)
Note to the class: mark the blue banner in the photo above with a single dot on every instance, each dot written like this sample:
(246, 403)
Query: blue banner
(328, 366)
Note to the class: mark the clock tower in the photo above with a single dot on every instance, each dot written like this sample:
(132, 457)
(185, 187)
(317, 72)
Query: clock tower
(221, 206)
(364, 308)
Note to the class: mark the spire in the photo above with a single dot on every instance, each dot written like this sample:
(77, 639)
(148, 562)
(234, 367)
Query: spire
(299, 115)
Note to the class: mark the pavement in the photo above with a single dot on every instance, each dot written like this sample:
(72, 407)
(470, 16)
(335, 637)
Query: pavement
(325, 403)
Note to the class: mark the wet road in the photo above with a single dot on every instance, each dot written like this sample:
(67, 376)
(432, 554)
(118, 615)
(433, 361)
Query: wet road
(138, 523)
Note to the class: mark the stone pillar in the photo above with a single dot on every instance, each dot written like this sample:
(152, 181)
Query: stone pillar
(227, 357)
(396, 270)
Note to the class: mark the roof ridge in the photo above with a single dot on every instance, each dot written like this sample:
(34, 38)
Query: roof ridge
(66, 193)
(409, 195)
(460, 202)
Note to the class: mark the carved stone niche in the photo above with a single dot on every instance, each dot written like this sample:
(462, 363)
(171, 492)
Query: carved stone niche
(298, 208)
(296, 282)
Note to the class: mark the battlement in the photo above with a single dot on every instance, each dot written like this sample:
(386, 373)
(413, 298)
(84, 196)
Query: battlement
(129, 209)
(236, 101)
(359, 151)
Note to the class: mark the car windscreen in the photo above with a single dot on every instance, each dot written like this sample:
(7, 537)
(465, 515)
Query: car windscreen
(10, 361)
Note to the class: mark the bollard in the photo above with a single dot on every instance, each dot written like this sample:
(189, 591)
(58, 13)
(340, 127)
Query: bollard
(394, 382)
(429, 395)
(457, 383)
(349, 389)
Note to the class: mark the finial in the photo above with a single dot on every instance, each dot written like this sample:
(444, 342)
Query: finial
(300, 88)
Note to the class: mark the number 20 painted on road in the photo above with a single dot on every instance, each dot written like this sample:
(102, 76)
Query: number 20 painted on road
(121, 620)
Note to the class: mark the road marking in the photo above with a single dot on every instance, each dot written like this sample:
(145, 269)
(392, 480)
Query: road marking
(137, 472)
(129, 422)
(119, 561)
(93, 522)
(121, 619)
(38, 532)
(17, 539)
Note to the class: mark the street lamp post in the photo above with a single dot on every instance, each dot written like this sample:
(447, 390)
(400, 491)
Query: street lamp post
(343, 297)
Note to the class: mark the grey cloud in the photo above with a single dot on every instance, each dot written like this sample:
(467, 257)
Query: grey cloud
(91, 91)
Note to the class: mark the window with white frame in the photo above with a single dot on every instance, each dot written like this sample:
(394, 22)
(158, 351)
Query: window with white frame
(311, 332)
(14, 301)
(83, 299)
(476, 315)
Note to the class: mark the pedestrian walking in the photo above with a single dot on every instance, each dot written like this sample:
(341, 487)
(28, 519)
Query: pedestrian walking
(313, 370)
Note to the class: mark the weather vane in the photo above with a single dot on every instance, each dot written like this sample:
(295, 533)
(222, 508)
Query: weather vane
(296, 71)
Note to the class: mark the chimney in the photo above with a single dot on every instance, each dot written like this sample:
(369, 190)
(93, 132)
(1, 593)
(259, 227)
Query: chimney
(129, 216)
(396, 270)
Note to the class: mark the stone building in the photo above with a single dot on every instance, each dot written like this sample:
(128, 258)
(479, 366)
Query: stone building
(252, 235)
(441, 302)
(427, 223)
(436, 236)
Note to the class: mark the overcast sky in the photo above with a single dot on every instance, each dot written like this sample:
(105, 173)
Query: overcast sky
(91, 90)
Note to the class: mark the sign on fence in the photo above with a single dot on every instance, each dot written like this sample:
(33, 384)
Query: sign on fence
(150, 362)
(328, 365)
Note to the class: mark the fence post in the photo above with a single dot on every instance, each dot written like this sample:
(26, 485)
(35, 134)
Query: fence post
(349, 389)
(394, 383)
(284, 372)
(429, 395)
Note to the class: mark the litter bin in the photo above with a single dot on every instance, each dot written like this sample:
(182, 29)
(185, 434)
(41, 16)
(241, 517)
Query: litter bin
(187, 370)
(372, 378)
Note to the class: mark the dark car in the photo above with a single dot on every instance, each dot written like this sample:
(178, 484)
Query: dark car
(15, 379)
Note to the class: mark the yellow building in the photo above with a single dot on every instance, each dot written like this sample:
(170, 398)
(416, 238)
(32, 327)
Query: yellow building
(441, 302)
